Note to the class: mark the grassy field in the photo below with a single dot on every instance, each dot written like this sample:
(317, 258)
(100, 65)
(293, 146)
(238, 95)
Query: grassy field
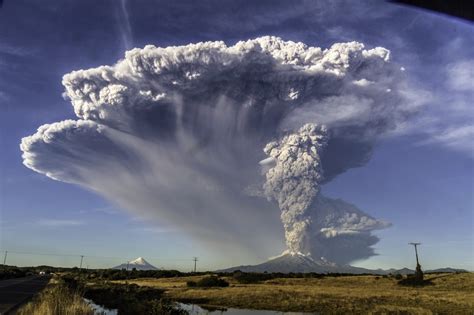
(448, 294)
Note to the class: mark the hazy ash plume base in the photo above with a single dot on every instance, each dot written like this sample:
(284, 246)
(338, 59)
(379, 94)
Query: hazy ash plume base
(176, 134)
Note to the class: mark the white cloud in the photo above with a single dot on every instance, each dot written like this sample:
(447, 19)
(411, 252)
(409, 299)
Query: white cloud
(362, 82)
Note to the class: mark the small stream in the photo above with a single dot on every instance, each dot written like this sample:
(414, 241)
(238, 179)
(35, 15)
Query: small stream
(194, 309)
(99, 310)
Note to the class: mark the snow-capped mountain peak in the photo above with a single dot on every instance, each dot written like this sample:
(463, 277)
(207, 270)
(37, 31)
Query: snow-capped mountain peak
(139, 264)
(139, 261)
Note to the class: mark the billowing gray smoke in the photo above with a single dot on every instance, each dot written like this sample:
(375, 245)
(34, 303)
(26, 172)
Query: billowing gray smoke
(294, 181)
(176, 134)
(294, 174)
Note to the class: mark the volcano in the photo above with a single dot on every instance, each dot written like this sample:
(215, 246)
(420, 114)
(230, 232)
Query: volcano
(139, 264)
(299, 263)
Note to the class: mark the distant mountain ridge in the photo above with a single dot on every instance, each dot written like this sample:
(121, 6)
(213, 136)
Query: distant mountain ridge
(139, 264)
(299, 263)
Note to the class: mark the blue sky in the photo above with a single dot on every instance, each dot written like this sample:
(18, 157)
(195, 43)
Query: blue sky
(420, 179)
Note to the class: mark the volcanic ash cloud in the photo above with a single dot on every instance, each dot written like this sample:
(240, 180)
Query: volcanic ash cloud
(295, 180)
(176, 134)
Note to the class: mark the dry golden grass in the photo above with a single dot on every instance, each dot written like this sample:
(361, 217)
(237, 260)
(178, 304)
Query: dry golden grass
(449, 294)
(56, 299)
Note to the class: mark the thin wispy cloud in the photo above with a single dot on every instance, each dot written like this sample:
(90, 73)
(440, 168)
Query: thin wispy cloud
(460, 75)
(154, 230)
(124, 25)
(459, 138)
(59, 222)
(14, 50)
(446, 115)
(454, 106)
(3, 96)
(109, 210)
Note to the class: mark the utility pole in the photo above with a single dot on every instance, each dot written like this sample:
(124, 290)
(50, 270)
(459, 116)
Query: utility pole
(80, 266)
(416, 251)
(127, 264)
(418, 271)
(195, 259)
(5, 258)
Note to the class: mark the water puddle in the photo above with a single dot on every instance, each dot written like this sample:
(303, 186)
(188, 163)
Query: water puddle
(99, 310)
(194, 309)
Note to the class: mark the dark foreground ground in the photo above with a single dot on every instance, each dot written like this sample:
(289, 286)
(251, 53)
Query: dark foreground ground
(14, 292)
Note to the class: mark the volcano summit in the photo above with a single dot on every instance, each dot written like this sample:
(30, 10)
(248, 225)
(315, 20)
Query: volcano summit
(139, 264)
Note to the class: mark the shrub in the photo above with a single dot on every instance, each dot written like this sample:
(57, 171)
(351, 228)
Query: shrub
(208, 282)
(120, 295)
(412, 280)
(243, 277)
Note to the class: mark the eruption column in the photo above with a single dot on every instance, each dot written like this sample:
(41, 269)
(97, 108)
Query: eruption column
(294, 181)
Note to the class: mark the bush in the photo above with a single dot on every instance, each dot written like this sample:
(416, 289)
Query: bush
(115, 274)
(208, 282)
(412, 280)
(244, 277)
(398, 276)
(121, 295)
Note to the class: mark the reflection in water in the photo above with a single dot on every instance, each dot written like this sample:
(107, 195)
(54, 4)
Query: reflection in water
(101, 310)
(194, 309)
(197, 310)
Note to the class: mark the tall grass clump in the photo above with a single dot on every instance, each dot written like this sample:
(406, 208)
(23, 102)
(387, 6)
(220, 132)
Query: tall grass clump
(57, 299)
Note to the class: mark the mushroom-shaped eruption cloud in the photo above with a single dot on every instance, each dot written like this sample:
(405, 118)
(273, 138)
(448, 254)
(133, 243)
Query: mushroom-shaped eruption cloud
(176, 134)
